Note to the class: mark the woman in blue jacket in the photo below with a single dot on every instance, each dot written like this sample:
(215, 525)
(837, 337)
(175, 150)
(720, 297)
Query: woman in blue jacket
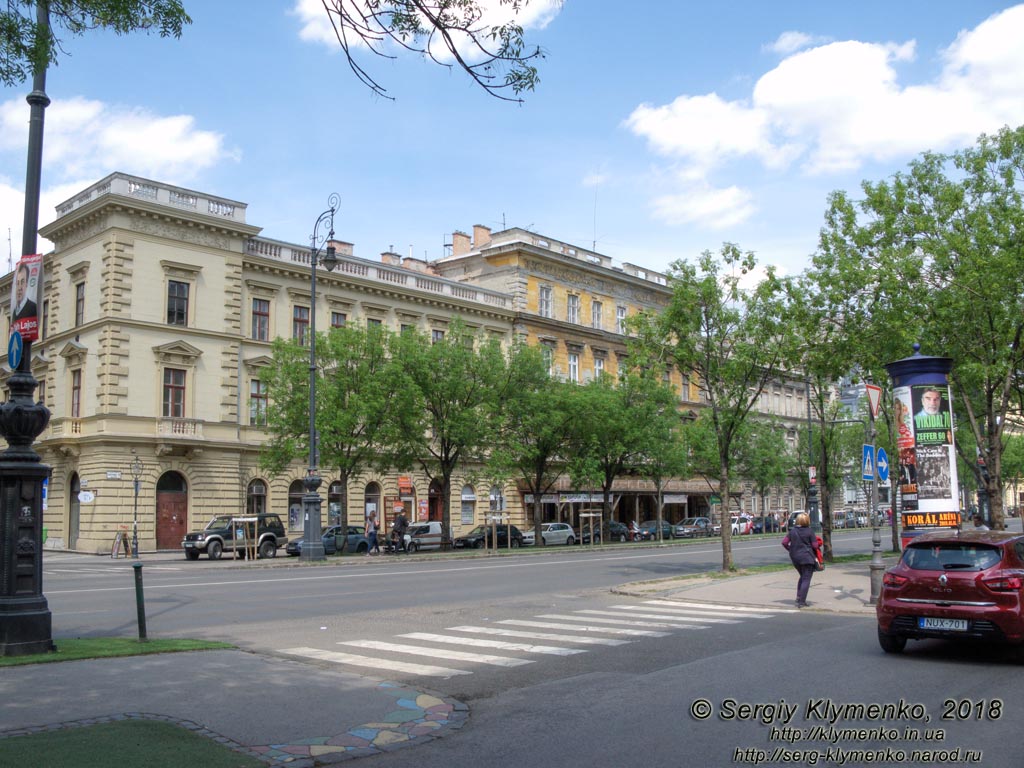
(803, 552)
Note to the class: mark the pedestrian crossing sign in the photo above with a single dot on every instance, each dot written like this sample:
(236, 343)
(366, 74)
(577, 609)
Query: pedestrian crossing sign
(868, 463)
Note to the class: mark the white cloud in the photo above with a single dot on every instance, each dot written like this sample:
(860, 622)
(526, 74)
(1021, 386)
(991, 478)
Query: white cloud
(86, 139)
(836, 106)
(710, 208)
(792, 41)
(316, 26)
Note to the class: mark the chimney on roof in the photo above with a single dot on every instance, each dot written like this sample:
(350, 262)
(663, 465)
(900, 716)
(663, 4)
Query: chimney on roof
(341, 247)
(481, 235)
(460, 243)
(391, 258)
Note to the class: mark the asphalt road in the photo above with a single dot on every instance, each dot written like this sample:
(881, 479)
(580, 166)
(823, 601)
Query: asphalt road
(579, 702)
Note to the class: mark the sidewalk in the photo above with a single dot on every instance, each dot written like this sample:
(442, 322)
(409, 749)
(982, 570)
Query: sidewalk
(842, 588)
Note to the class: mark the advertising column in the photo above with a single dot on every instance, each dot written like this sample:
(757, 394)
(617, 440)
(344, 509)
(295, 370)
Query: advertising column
(923, 412)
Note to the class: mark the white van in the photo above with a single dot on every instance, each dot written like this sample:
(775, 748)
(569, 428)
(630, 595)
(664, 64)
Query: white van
(423, 536)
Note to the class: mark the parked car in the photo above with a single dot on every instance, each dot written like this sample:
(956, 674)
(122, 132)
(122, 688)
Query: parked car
(766, 524)
(480, 537)
(741, 525)
(617, 531)
(335, 542)
(954, 585)
(557, 533)
(529, 537)
(692, 527)
(791, 521)
(425, 536)
(649, 530)
(226, 533)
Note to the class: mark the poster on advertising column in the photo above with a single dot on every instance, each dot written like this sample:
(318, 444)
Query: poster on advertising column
(934, 450)
(25, 290)
(903, 416)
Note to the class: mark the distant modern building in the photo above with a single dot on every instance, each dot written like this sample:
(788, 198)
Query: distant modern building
(160, 307)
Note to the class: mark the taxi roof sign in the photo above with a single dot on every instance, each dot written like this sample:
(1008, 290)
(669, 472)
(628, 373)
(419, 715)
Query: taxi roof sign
(874, 398)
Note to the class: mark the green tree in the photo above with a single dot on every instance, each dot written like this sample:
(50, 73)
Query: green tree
(357, 392)
(537, 427)
(457, 386)
(730, 338)
(26, 46)
(941, 256)
(764, 458)
(494, 54)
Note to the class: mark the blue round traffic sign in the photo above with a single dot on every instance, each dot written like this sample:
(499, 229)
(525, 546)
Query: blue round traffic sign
(15, 348)
(883, 465)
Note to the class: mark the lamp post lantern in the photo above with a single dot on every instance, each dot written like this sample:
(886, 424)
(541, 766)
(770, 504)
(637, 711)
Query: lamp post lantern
(136, 469)
(312, 544)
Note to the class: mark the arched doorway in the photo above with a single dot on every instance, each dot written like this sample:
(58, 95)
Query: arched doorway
(371, 503)
(74, 522)
(295, 492)
(171, 510)
(434, 501)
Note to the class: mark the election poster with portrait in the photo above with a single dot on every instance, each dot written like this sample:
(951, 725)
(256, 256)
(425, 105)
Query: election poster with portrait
(25, 298)
(934, 450)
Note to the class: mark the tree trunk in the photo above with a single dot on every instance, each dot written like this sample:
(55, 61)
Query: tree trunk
(723, 493)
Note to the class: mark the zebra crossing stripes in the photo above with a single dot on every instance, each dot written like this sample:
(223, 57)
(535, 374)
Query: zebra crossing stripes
(594, 616)
(501, 632)
(666, 616)
(730, 609)
(375, 663)
(583, 628)
(438, 653)
(503, 645)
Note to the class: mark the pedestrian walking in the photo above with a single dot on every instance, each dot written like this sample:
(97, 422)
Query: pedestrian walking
(979, 523)
(374, 545)
(401, 526)
(803, 549)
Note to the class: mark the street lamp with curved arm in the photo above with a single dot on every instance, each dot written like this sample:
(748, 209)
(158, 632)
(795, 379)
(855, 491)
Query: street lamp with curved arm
(312, 545)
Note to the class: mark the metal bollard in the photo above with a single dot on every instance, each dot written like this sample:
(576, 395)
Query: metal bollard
(140, 601)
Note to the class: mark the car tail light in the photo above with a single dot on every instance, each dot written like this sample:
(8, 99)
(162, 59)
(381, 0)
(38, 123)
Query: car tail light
(894, 580)
(1005, 582)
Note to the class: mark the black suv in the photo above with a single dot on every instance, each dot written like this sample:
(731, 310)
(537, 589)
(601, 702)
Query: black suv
(227, 533)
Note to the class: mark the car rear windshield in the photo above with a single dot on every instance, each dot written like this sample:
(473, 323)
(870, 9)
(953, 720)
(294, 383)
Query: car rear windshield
(951, 556)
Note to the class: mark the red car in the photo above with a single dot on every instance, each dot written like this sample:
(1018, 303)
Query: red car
(954, 584)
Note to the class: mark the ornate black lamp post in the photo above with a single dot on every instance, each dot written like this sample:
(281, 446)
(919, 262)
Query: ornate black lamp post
(312, 544)
(136, 469)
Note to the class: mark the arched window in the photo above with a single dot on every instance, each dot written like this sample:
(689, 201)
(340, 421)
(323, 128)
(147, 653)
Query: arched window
(172, 482)
(295, 491)
(256, 498)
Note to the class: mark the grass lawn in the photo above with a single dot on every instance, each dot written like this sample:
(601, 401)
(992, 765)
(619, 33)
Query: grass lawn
(73, 649)
(149, 743)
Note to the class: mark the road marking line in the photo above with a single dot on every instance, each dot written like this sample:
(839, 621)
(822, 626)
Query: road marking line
(584, 628)
(670, 616)
(377, 664)
(717, 607)
(692, 611)
(438, 653)
(551, 650)
(540, 635)
(620, 622)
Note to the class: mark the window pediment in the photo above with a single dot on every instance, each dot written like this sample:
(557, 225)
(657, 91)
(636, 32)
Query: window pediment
(177, 353)
(74, 352)
(255, 364)
(263, 290)
(180, 270)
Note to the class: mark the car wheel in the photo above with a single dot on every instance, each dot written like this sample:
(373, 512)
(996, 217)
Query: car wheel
(213, 550)
(478, 544)
(268, 549)
(515, 543)
(191, 554)
(414, 546)
(622, 538)
(362, 547)
(570, 541)
(891, 643)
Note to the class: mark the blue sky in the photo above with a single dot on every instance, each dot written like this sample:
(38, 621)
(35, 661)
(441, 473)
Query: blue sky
(658, 130)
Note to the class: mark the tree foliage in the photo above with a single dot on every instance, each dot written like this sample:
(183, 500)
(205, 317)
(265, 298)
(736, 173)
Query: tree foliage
(357, 392)
(729, 337)
(26, 47)
(936, 255)
(494, 54)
